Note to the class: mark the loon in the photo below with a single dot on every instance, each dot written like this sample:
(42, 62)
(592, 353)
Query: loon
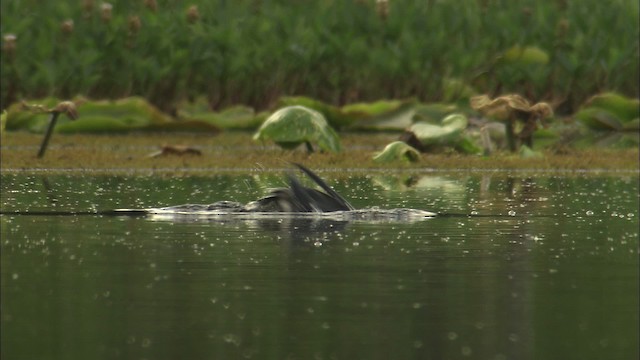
(298, 198)
(295, 200)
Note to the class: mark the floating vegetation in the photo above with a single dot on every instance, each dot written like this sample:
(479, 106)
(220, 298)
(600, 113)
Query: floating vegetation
(397, 151)
(232, 118)
(447, 133)
(294, 125)
(610, 112)
(127, 114)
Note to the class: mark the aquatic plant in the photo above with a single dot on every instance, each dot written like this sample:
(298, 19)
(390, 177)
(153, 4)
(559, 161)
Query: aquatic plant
(237, 117)
(126, 114)
(65, 107)
(445, 133)
(294, 125)
(253, 53)
(397, 151)
(610, 112)
(514, 110)
(3, 122)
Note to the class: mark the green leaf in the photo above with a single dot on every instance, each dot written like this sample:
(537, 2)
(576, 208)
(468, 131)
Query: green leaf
(331, 113)
(3, 122)
(456, 89)
(397, 151)
(396, 117)
(433, 113)
(445, 134)
(599, 119)
(294, 125)
(234, 118)
(126, 114)
(467, 146)
(625, 109)
(528, 153)
(525, 55)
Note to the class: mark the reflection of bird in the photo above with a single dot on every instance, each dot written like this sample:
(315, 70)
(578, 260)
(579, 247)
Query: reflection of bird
(298, 198)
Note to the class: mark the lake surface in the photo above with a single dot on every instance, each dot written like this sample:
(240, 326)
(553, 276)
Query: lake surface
(520, 266)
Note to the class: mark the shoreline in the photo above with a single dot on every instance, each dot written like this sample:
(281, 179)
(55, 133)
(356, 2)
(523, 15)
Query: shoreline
(237, 152)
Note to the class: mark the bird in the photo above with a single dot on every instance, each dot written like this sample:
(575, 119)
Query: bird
(299, 198)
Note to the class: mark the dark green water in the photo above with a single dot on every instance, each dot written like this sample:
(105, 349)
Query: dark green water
(551, 271)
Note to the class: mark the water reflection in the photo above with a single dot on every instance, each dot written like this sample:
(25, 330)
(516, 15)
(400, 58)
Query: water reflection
(557, 279)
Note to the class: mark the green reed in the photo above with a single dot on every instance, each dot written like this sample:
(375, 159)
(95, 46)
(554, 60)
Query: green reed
(252, 52)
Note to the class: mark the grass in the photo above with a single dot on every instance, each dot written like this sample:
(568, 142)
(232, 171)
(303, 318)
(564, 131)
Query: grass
(236, 151)
(253, 52)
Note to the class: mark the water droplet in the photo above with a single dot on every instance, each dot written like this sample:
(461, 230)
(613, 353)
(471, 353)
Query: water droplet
(452, 336)
(231, 338)
(14, 276)
(466, 351)
(589, 213)
(512, 213)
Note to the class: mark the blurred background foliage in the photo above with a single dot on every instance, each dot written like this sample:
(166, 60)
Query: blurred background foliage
(253, 52)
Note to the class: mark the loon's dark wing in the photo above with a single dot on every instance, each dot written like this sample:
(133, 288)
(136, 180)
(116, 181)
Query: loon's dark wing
(331, 199)
(299, 198)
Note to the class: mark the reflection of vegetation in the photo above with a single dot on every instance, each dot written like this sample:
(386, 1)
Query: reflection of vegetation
(254, 52)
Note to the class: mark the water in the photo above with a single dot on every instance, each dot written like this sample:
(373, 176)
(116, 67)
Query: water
(546, 268)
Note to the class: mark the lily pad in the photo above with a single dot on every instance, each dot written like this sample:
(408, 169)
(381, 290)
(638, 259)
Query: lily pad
(433, 113)
(624, 108)
(19, 118)
(397, 118)
(599, 119)
(293, 125)
(126, 114)
(430, 134)
(333, 115)
(610, 112)
(397, 151)
(232, 118)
